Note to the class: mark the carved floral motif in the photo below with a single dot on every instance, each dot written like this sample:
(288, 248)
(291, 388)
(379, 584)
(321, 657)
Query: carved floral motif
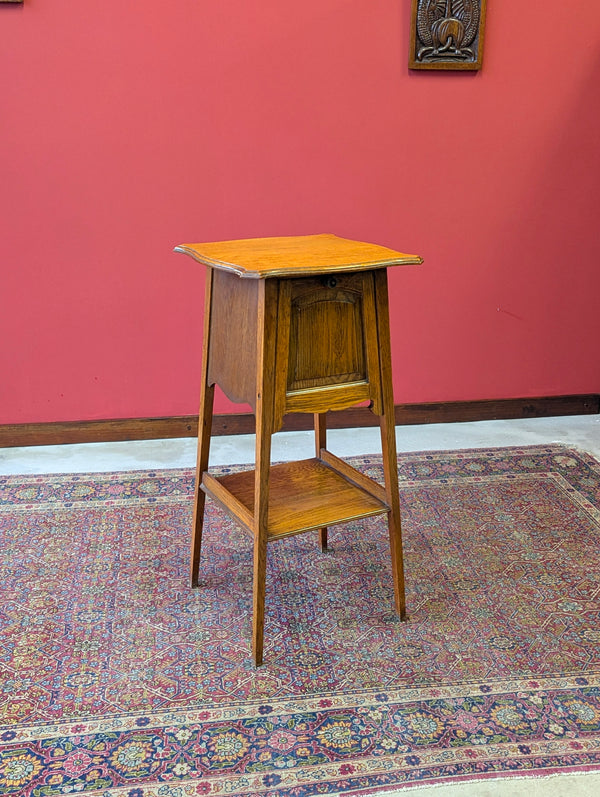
(447, 34)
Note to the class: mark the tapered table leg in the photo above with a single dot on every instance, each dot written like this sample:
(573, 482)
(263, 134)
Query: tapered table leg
(204, 432)
(388, 442)
(265, 410)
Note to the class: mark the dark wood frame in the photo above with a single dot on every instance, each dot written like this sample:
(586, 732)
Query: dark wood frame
(446, 64)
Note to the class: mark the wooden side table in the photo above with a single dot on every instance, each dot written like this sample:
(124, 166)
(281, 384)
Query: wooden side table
(297, 324)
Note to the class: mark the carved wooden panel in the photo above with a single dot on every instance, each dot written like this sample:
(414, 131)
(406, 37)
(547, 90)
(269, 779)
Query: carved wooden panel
(447, 34)
(326, 335)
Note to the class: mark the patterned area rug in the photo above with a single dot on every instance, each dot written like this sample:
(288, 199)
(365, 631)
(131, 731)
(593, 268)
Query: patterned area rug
(118, 680)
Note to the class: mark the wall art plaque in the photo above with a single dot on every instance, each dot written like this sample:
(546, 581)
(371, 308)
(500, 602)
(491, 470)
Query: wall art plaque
(447, 34)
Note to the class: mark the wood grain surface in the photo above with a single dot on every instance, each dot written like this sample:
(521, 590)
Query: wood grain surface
(295, 255)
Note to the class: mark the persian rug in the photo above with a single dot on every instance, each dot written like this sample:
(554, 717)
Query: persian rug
(118, 680)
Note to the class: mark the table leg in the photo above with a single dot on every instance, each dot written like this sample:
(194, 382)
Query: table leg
(265, 410)
(321, 442)
(388, 441)
(204, 432)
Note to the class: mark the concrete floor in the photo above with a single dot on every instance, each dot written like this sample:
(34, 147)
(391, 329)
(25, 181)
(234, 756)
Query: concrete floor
(582, 432)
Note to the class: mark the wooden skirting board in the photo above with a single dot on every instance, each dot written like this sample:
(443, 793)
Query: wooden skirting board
(60, 433)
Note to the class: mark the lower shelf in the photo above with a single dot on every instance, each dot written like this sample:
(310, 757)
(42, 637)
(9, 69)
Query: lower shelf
(303, 495)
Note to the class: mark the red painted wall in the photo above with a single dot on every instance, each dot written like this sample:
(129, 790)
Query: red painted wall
(128, 127)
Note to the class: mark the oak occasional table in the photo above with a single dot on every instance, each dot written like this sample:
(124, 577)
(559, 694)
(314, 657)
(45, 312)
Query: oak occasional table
(297, 324)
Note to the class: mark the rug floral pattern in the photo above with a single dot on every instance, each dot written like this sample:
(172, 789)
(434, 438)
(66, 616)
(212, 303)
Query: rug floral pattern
(118, 680)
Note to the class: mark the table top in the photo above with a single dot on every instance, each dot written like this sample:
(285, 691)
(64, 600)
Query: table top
(295, 256)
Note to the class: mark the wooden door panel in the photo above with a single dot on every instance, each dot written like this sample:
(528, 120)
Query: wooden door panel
(327, 345)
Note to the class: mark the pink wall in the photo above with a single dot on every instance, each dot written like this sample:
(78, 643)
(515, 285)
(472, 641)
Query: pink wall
(126, 128)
